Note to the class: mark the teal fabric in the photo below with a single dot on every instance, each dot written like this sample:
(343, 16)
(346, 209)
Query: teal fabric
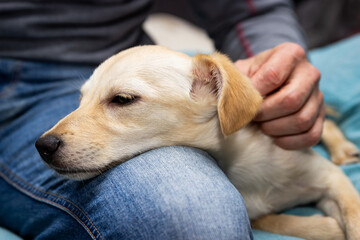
(270, 236)
(6, 235)
(339, 65)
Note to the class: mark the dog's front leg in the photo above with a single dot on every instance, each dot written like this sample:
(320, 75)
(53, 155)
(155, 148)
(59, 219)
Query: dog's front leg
(341, 150)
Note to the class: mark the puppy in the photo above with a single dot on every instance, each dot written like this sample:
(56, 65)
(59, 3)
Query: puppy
(148, 97)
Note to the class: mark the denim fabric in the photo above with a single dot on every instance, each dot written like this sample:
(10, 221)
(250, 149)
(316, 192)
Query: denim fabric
(166, 193)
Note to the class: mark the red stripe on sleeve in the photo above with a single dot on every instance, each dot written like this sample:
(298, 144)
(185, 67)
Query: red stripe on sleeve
(243, 40)
(251, 6)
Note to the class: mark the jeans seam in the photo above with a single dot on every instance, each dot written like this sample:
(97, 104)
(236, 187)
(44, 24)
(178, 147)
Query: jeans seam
(28, 189)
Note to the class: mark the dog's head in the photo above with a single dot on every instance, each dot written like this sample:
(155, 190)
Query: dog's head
(148, 97)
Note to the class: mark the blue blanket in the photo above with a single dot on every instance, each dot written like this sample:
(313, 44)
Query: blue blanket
(339, 65)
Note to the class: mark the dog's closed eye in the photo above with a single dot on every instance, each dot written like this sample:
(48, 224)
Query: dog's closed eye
(123, 99)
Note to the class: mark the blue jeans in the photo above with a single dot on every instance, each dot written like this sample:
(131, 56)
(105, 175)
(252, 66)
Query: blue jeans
(166, 193)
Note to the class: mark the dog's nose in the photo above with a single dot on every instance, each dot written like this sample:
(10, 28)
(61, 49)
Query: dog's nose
(47, 146)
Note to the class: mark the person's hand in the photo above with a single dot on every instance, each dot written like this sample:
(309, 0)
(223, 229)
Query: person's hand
(293, 110)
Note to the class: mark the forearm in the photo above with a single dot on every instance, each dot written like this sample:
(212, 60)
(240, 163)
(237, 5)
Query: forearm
(244, 28)
(266, 29)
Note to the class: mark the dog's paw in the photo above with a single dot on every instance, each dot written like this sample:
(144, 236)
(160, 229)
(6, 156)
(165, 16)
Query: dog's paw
(345, 153)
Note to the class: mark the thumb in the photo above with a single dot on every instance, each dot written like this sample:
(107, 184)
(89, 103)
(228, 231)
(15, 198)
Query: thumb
(251, 66)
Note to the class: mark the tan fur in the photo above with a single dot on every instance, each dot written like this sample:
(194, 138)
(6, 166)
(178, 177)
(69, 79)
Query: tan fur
(237, 98)
(314, 227)
(348, 202)
(204, 102)
(239, 101)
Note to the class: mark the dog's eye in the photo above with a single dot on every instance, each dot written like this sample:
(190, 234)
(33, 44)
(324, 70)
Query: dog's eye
(123, 99)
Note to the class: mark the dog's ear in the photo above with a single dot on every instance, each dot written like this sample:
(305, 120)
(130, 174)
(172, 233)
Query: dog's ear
(237, 100)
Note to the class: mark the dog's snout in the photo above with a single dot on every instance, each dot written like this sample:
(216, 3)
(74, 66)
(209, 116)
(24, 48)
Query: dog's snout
(47, 146)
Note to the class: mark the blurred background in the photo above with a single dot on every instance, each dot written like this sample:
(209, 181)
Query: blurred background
(323, 21)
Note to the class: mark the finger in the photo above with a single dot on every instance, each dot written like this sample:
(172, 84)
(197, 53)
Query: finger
(275, 71)
(291, 97)
(304, 140)
(298, 122)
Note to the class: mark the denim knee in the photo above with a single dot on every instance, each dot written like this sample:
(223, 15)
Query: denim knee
(169, 193)
(166, 193)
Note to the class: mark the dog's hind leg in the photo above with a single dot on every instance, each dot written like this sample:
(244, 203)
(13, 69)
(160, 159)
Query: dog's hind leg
(341, 150)
(331, 208)
(311, 228)
(339, 190)
(337, 197)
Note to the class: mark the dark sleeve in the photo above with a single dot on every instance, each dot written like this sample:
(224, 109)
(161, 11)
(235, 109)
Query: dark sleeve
(243, 28)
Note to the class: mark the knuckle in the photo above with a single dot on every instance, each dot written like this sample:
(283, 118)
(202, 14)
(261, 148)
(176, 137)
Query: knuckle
(272, 77)
(298, 50)
(294, 49)
(303, 122)
(291, 102)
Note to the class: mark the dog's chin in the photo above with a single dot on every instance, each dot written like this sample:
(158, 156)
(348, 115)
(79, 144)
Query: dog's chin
(78, 176)
(82, 173)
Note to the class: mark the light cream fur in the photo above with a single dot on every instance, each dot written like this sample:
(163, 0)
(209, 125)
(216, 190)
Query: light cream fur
(203, 102)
